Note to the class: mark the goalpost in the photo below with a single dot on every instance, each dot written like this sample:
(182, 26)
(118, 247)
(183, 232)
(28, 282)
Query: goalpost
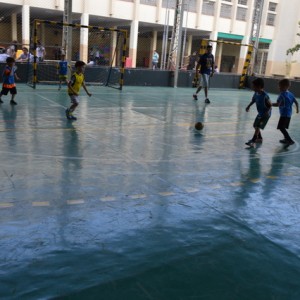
(103, 49)
(242, 82)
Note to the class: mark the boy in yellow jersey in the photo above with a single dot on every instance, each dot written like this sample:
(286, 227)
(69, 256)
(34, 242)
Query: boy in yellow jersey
(77, 80)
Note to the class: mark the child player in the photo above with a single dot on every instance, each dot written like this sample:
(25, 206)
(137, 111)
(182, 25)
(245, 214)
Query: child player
(9, 85)
(285, 102)
(62, 70)
(74, 85)
(264, 108)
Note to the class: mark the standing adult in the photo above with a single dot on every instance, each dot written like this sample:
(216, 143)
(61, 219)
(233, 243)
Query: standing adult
(40, 52)
(206, 64)
(155, 59)
(12, 49)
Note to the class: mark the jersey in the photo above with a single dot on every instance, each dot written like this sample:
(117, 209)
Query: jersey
(261, 100)
(76, 82)
(206, 63)
(285, 101)
(8, 77)
(40, 51)
(63, 67)
(155, 57)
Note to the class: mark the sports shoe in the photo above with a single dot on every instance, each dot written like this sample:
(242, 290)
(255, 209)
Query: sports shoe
(72, 117)
(290, 142)
(259, 140)
(284, 141)
(13, 102)
(68, 114)
(207, 100)
(1, 101)
(195, 97)
(250, 143)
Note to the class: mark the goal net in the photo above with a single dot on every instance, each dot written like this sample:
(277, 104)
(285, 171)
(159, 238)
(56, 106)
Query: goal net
(102, 49)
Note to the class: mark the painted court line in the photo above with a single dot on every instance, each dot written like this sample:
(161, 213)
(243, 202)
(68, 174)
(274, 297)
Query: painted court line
(108, 198)
(6, 205)
(75, 202)
(40, 203)
(166, 193)
(138, 196)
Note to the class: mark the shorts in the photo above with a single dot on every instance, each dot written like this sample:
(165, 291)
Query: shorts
(12, 90)
(74, 99)
(283, 123)
(204, 80)
(63, 77)
(261, 122)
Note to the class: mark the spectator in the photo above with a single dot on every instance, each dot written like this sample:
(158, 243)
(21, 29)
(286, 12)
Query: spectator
(40, 52)
(26, 55)
(192, 61)
(155, 59)
(12, 49)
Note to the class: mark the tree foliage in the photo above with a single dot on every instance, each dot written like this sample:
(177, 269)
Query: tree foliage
(294, 49)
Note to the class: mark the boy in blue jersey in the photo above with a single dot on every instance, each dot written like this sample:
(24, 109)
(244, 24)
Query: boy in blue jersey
(206, 64)
(62, 71)
(9, 85)
(285, 102)
(264, 108)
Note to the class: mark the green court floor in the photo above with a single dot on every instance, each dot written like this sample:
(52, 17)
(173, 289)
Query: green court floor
(131, 202)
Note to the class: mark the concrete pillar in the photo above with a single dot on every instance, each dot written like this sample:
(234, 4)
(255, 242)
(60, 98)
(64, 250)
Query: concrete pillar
(218, 57)
(153, 46)
(113, 44)
(233, 16)
(14, 29)
(189, 45)
(133, 41)
(199, 13)
(84, 38)
(158, 10)
(26, 25)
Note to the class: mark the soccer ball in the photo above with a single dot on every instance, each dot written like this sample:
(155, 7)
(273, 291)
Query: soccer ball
(199, 126)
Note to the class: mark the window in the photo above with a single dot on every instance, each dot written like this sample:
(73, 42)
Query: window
(271, 19)
(148, 2)
(208, 8)
(243, 2)
(226, 0)
(225, 11)
(168, 3)
(192, 6)
(241, 14)
(272, 6)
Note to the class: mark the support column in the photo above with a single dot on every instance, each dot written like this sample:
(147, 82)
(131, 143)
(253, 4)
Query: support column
(189, 45)
(84, 38)
(218, 57)
(199, 13)
(153, 46)
(113, 44)
(14, 30)
(158, 10)
(26, 25)
(133, 41)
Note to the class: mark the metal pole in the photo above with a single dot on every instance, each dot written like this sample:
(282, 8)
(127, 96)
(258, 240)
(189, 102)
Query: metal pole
(165, 37)
(178, 48)
(185, 33)
(167, 40)
(67, 32)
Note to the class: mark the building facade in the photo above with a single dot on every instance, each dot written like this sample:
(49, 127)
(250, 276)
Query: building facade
(147, 21)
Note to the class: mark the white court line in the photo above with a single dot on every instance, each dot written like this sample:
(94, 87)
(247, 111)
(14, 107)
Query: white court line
(51, 101)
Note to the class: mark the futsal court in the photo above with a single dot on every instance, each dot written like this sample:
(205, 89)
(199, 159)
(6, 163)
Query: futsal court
(131, 202)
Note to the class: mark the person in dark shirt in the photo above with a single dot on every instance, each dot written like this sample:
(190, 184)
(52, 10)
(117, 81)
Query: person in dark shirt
(206, 64)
